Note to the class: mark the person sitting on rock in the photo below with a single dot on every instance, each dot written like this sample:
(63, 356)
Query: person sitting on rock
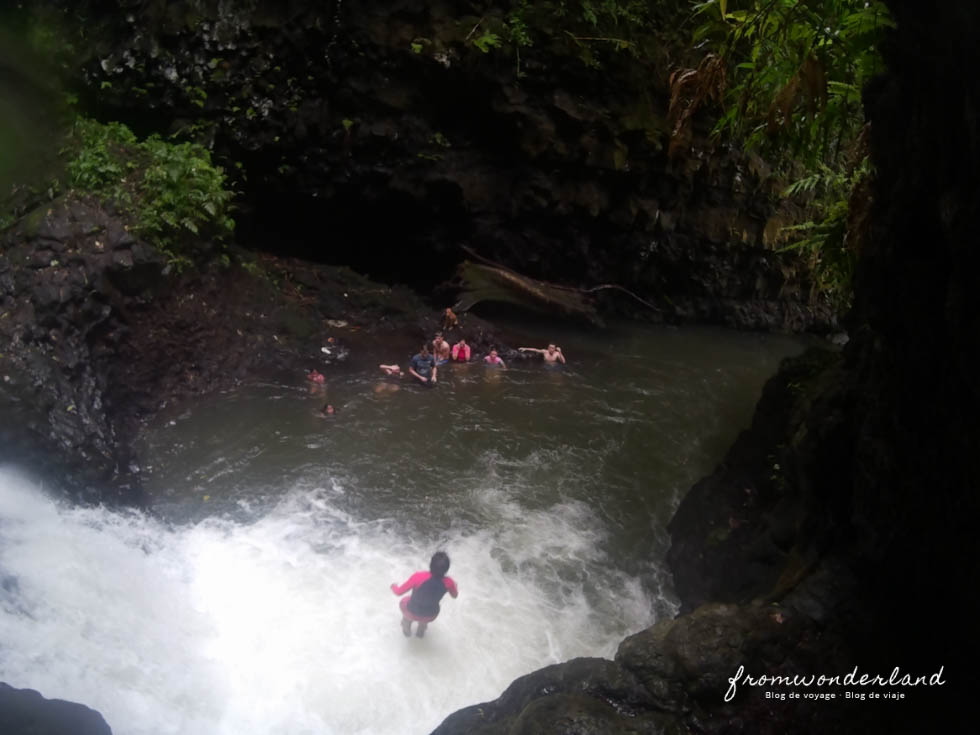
(461, 351)
(449, 320)
(423, 367)
(440, 349)
(493, 360)
(552, 355)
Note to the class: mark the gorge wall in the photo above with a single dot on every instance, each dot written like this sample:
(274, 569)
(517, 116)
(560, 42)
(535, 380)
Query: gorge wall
(380, 136)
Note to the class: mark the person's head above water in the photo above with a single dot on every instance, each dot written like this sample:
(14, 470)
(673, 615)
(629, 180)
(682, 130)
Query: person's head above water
(425, 350)
(439, 564)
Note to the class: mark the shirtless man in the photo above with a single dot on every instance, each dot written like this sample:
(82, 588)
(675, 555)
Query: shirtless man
(551, 355)
(440, 349)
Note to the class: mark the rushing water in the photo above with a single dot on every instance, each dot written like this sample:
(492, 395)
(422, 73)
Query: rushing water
(254, 597)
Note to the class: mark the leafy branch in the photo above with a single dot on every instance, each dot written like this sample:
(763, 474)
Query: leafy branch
(785, 77)
(172, 190)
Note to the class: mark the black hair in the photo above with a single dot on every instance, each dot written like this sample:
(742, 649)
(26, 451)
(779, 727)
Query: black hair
(439, 564)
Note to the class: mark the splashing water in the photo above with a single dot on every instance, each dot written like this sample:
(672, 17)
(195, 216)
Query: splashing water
(255, 598)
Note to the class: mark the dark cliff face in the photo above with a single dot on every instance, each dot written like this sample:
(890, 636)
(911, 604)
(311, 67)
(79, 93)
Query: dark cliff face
(377, 135)
(26, 711)
(98, 333)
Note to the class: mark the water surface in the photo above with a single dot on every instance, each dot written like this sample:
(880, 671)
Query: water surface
(254, 597)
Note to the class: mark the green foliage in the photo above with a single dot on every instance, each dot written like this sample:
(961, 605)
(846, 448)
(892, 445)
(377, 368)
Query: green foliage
(171, 189)
(826, 239)
(795, 70)
(101, 159)
(787, 76)
(182, 190)
(588, 29)
(486, 40)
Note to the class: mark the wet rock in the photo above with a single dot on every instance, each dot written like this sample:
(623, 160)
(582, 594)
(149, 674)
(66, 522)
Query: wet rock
(589, 696)
(93, 349)
(453, 149)
(26, 711)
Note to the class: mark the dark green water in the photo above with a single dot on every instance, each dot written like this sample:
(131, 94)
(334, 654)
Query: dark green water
(624, 429)
(255, 597)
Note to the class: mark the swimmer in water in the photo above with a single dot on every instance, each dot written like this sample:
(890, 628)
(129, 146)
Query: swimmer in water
(387, 386)
(316, 377)
(440, 349)
(423, 367)
(461, 351)
(493, 360)
(427, 588)
(327, 411)
(552, 354)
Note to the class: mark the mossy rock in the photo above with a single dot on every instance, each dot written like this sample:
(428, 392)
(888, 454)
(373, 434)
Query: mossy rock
(297, 324)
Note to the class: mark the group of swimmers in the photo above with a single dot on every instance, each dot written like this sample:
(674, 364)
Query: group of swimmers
(424, 365)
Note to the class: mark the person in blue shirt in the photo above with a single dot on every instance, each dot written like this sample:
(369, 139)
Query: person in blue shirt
(423, 367)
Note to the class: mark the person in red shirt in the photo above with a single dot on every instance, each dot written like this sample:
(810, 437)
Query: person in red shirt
(427, 588)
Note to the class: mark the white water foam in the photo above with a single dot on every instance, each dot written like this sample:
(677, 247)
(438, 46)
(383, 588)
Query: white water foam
(286, 624)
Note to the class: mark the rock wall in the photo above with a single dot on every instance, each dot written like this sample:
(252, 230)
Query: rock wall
(377, 135)
(25, 711)
(97, 334)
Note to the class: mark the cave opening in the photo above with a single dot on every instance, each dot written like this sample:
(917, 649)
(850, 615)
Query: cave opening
(386, 235)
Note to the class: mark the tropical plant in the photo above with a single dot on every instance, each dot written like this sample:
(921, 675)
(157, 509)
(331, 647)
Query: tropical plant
(172, 190)
(831, 238)
(587, 29)
(788, 73)
(786, 77)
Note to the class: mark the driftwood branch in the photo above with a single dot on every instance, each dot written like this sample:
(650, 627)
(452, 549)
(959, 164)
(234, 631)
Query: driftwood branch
(540, 290)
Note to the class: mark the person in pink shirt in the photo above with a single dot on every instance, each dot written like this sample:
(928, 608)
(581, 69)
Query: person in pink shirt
(461, 351)
(427, 588)
(494, 360)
